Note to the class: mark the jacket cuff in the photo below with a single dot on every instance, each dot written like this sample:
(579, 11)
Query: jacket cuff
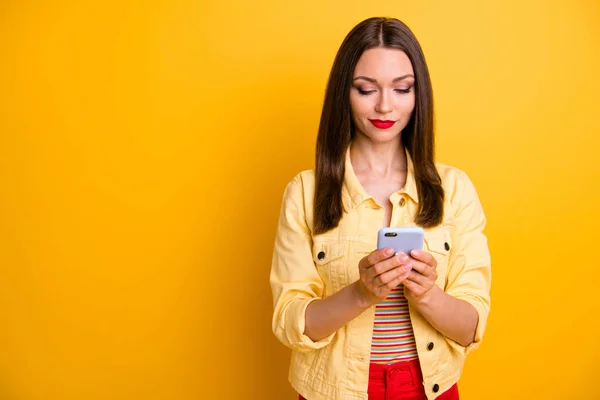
(295, 321)
(482, 312)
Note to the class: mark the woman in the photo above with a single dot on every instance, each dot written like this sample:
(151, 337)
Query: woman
(364, 323)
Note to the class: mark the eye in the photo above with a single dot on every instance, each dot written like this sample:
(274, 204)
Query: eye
(407, 90)
(365, 92)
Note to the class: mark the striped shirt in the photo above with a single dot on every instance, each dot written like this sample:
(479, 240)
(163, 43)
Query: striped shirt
(393, 338)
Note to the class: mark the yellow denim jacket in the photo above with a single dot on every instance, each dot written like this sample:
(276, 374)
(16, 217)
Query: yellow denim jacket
(337, 367)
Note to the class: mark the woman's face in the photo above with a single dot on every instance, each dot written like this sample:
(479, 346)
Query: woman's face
(382, 96)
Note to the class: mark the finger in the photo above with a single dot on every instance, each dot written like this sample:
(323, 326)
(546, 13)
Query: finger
(387, 265)
(396, 281)
(412, 286)
(389, 276)
(422, 268)
(424, 256)
(419, 279)
(375, 257)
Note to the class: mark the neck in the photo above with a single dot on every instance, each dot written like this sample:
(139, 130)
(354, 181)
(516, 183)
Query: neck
(381, 159)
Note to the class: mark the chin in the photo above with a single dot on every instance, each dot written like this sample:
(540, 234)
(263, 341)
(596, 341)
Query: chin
(380, 136)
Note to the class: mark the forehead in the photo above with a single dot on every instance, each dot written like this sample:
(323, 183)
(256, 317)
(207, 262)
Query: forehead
(383, 64)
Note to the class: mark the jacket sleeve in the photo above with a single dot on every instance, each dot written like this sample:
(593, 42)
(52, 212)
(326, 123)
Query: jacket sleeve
(295, 281)
(469, 272)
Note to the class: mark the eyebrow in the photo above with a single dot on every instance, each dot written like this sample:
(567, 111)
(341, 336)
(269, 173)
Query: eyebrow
(366, 78)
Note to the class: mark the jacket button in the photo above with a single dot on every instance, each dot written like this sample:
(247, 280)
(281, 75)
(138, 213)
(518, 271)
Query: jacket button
(402, 202)
(430, 346)
(436, 388)
(321, 255)
(446, 246)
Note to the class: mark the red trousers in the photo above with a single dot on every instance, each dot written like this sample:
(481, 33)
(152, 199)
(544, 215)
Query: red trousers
(400, 381)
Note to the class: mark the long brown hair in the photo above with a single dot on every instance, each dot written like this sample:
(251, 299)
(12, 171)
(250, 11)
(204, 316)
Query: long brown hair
(336, 128)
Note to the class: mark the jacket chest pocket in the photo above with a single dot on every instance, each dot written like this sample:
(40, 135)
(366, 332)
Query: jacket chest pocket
(328, 257)
(357, 250)
(438, 243)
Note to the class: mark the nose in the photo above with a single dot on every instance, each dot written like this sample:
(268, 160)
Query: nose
(383, 105)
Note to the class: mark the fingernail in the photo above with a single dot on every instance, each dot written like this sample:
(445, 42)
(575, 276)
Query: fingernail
(415, 253)
(388, 252)
(407, 267)
(402, 257)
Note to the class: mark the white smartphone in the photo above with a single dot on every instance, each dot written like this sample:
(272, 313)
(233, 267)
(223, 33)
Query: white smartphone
(402, 240)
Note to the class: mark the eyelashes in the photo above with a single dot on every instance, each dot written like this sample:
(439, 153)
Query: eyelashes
(368, 92)
(365, 92)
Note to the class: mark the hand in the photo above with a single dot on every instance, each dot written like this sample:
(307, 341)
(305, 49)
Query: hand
(380, 272)
(421, 279)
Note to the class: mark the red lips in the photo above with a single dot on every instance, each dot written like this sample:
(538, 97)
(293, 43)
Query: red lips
(381, 124)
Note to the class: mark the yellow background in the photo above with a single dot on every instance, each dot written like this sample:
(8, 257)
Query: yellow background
(145, 146)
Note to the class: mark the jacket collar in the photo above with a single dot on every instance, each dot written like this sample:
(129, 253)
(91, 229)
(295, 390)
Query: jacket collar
(353, 192)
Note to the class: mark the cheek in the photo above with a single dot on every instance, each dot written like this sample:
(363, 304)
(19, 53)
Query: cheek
(403, 109)
(361, 106)
(406, 104)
